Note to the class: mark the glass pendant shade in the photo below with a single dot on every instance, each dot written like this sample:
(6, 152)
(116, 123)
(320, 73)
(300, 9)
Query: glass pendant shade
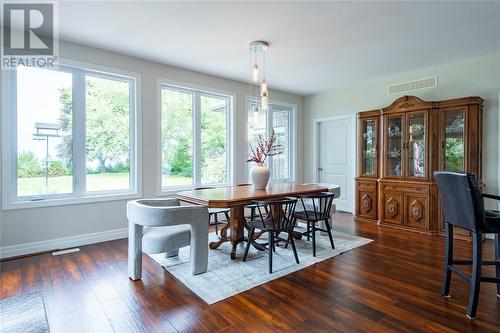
(263, 87)
(256, 116)
(265, 102)
(255, 73)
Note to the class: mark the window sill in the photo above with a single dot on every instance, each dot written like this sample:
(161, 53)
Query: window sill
(89, 198)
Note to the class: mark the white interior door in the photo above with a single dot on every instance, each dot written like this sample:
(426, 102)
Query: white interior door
(336, 162)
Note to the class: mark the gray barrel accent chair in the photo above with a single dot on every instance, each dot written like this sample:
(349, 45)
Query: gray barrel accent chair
(164, 226)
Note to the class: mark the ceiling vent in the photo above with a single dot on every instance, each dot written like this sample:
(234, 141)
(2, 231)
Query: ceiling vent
(399, 88)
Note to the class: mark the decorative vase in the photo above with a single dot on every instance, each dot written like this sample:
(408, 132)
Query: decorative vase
(260, 176)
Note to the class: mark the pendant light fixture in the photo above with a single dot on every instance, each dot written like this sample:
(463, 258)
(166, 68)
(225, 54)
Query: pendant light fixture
(258, 82)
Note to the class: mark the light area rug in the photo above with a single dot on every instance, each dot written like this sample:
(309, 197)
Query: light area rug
(23, 314)
(225, 277)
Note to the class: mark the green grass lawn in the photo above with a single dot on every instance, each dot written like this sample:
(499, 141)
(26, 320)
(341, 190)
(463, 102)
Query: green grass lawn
(95, 182)
(173, 180)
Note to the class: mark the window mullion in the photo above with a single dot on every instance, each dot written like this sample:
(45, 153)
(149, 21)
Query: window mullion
(133, 137)
(12, 89)
(291, 144)
(79, 119)
(229, 143)
(269, 130)
(197, 139)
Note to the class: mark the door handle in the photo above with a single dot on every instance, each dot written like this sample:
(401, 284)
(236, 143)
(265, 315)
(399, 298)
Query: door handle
(320, 169)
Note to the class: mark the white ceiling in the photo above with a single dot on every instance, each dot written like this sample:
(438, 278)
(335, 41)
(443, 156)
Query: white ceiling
(314, 45)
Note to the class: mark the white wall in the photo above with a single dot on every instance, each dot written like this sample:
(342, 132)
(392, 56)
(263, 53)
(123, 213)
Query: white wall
(22, 226)
(473, 77)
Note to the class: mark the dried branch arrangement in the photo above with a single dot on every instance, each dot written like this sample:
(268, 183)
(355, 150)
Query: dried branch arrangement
(264, 149)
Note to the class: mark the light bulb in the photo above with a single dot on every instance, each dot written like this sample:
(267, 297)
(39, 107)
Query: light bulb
(255, 73)
(263, 87)
(256, 117)
(265, 102)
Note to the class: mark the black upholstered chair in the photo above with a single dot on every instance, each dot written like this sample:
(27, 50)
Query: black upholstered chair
(214, 213)
(279, 219)
(316, 208)
(463, 207)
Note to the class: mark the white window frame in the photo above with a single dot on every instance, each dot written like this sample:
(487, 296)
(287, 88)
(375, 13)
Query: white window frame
(10, 200)
(292, 160)
(197, 91)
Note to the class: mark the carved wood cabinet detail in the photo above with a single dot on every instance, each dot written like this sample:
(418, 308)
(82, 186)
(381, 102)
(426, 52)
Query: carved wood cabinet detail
(392, 210)
(417, 212)
(399, 148)
(366, 201)
(392, 207)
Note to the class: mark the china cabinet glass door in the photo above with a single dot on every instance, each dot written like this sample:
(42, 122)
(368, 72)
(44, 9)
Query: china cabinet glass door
(394, 146)
(369, 147)
(453, 143)
(416, 145)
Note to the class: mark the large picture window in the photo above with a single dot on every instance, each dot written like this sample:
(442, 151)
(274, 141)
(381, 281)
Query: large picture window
(73, 133)
(279, 118)
(107, 133)
(194, 137)
(44, 132)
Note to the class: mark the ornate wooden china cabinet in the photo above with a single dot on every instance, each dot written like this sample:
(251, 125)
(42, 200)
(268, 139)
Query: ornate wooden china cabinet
(399, 148)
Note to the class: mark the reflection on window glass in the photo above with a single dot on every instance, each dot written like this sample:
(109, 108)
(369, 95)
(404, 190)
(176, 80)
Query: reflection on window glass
(416, 146)
(177, 137)
(44, 132)
(369, 147)
(107, 134)
(394, 146)
(213, 139)
(454, 140)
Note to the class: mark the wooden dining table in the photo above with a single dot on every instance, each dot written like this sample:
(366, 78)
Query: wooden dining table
(235, 198)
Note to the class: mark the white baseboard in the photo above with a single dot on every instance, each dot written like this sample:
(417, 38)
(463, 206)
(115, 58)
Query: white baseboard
(62, 243)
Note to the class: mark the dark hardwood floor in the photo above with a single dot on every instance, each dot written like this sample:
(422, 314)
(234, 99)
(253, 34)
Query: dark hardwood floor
(391, 284)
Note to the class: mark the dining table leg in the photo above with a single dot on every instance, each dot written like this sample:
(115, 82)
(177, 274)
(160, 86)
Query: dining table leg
(236, 224)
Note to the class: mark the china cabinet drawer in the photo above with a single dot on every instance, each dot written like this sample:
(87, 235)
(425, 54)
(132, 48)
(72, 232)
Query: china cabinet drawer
(423, 189)
(367, 186)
